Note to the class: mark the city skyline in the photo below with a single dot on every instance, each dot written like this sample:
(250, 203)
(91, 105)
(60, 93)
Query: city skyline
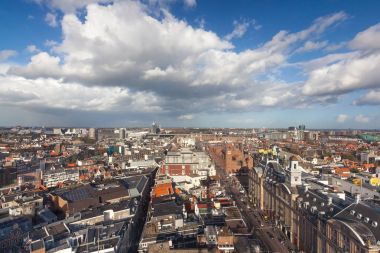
(190, 63)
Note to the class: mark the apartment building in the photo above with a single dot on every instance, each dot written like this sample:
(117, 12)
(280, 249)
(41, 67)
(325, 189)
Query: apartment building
(314, 217)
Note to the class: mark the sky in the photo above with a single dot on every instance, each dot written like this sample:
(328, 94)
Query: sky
(190, 63)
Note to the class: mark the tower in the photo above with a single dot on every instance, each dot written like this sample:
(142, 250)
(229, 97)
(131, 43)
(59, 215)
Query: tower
(122, 133)
(92, 133)
(294, 172)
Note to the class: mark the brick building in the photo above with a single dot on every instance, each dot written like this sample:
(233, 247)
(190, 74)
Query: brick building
(230, 156)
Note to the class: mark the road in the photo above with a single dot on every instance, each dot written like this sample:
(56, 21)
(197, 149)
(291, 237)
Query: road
(272, 239)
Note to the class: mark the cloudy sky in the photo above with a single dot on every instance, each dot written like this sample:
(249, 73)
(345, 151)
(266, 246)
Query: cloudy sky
(190, 63)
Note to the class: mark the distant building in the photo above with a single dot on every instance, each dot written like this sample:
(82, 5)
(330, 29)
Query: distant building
(155, 129)
(231, 156)
(302, 127)
(92, 134)
(122, 133)
(53, 177)
(187, 163)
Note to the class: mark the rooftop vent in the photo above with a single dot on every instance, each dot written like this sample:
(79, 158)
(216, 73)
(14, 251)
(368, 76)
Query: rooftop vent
(374, 224)
(366, 219)
(314, 199)
(359, 216)
(352, 212)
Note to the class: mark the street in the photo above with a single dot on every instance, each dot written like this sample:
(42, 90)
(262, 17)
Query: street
(273, 240)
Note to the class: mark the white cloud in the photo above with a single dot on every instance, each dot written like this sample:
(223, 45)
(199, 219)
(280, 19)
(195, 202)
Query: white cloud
(41, 65)
(163, 62)
(311, 46)
(335, 46)
(6, 54)
(186, 117)
(283, 39)
(190, 3)
(32, 49)
(368, 39)
(51, 19)
(360, 72)
(352, 71)
(50, 43)
(370, 98)
(341, 118)
(362, 119)
(240, 28)
(51, 94)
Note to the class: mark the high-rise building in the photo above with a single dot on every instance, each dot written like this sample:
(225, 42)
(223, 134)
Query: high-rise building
(92, 133)
(122, 133)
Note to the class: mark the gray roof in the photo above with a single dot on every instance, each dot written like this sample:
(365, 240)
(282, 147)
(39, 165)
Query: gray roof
(166, 208)
(318, 203)
(364, 213)
(78, 194)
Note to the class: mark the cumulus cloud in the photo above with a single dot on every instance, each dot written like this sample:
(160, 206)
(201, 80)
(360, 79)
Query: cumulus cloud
(359, 70)
(32, 49)
(370, 98)
(6, 54)
(51, 19)
(165, 65)
(368, 39)
(50, 43)
(44, 93)
(186, 117)
(40, 65)
(341, 118)
(344, 76)
(362, 119)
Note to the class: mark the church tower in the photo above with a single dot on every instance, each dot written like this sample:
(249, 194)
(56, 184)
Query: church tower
(294, 172)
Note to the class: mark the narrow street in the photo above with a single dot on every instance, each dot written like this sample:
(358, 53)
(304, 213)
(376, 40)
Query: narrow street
(262, 230)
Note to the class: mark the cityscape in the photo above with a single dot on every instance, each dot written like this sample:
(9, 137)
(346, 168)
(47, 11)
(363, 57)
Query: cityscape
(189, 126)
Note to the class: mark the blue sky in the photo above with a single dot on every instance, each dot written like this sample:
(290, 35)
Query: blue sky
(190, 63)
